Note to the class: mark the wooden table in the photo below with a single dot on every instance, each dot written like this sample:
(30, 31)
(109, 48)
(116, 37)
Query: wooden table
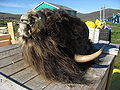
(15, 74)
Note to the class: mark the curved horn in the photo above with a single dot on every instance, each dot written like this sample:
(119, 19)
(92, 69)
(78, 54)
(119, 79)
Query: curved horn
(87, 58)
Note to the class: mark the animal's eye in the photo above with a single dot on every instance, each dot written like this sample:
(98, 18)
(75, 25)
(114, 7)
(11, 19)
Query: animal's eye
(28, 27)
(32, 20)
(21, 20)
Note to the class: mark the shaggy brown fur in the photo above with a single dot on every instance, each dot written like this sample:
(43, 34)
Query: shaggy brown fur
(51, 49)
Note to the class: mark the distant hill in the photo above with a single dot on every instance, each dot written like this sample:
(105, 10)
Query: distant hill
(96, 15)
(7, 17)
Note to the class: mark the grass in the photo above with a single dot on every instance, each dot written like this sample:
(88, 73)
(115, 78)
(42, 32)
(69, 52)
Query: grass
(115, 85)
(3, 24)
(115, 32)
(117, 61)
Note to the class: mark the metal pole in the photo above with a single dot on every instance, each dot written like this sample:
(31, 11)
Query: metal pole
(100, 14)
(104, 13)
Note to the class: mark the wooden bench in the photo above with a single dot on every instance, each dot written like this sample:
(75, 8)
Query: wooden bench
(7, 39)
(15, 74)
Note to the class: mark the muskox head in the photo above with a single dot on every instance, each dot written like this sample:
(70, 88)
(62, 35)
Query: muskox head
(57, 45)
(31, 22)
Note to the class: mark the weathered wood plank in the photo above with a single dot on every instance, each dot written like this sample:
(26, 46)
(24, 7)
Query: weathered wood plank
(103, 81)
(25, 75)
(14, 68)
(108, 81)
(107, 60)
(57, 86)
(37, 83)
(9, 52)
(5, 37)
(10, 47)
(6, 84)
(102, 70)
(5, 43)
(10, 60)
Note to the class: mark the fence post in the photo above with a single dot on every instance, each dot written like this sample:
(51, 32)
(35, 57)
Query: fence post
(11, 32)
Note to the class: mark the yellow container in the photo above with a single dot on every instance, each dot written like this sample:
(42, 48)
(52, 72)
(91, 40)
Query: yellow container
(116, 70)
(90, 24)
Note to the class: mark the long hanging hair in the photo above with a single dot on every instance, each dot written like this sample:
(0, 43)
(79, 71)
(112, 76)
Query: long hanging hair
(50, 50)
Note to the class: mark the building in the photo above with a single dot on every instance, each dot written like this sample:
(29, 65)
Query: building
(52, 6)
(115, 18)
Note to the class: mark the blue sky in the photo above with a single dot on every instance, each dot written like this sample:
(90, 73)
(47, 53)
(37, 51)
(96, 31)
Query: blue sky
(82, 6)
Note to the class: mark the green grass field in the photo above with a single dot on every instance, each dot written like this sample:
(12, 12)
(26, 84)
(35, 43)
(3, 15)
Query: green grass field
(115, 82)
(115, 32)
